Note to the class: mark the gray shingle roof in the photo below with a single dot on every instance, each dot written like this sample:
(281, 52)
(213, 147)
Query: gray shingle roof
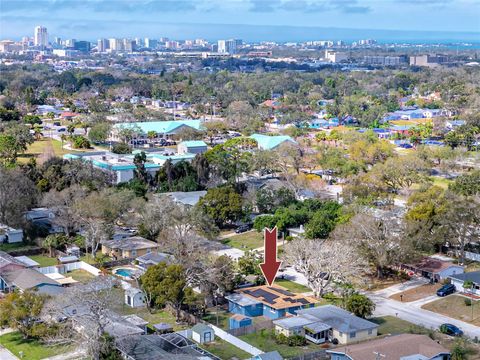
(28, 279)
(131, 243)
(469, 276)
(337, 318)
(201, 328)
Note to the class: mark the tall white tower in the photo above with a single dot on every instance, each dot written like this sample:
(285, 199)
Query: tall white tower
(41, 36)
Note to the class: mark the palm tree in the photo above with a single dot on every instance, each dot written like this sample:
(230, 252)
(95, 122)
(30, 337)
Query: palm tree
(63, 137)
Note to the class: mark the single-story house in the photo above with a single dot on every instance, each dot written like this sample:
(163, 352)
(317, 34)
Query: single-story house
(273, 302)
(326, 323)
(29, 279)
(459, 279)
(134, 297)
(271, 355)
(403, 347)
(266, 142)
(453, 124)
(434, 269)
(68, 115)
(238, 321)
(202, 333)
(43, 218)
(10, 235)
(131, 247)
(192, 147)
(151, 259)
(8, 264)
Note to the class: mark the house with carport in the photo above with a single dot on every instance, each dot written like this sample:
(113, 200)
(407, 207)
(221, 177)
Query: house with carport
(327, 323)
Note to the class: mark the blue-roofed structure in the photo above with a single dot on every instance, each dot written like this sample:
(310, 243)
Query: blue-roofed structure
(162, 128)
(192, 147)
(266, 142)
(122, 166)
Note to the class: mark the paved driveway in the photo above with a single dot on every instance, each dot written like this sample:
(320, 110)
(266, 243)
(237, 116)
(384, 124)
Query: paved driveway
(6, 355)
(413, 312)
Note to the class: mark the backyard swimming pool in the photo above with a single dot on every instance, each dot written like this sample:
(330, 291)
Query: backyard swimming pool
(124, 272)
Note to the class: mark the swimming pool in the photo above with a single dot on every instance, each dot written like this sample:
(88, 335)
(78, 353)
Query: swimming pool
(124, 272)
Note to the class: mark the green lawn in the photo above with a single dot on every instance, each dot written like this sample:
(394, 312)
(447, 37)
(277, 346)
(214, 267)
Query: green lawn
(15, 246)
(225, 350)
(223, 316)
(32, 349)
(265, 340)
(393, 325)
(81, 275)
(292, 286)
(44, 260)
(43, 145)
(454, 306)
(246, 241)
(88, 258)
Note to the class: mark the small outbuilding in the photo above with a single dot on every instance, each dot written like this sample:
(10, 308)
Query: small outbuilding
(202, 333)
(237, 321)
(134, 297)
(163, 328)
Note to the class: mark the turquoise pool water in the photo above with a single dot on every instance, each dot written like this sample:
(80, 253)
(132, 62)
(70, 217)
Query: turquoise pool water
(124, 272)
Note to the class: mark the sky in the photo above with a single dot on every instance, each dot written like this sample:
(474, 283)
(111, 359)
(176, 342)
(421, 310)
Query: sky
(252, 20)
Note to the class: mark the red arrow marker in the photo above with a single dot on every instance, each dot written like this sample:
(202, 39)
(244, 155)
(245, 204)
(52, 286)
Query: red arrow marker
(271, 264)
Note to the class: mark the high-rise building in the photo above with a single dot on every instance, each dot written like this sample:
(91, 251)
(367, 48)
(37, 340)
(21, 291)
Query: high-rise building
(139, 43)
(70, 43)
(171, 44)
(103, 45)
(40, 36)
(151, 43)
(82, 46)
(228, 46)
(115, 44)
(128, 45)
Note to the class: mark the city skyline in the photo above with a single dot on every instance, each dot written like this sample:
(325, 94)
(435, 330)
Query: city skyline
(253, 20)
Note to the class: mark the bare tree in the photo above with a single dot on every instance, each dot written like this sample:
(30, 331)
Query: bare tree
(61, 203)
(88, 308)
(379, 239)
(323, 262)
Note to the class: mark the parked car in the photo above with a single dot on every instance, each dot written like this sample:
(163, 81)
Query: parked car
(445, 290)
(242, 228)
(451, 330)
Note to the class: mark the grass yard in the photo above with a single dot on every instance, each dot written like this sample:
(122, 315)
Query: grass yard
(247, 241)
(454, 306)
(16, 246)
(43, 146)
(32, 349)
(44, 260)
(223, 316)
(393, 325)
(441, 182)
(417, 293)
(88, 258)
(292, 286)
(81, 275)
(225, 350)
(265, 340)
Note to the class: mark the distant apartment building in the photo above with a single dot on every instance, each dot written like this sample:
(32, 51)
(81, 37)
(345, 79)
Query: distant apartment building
(9, 46)
(151, 43)
(40, 36)
(103, 45)
(384, 60)
(335, 56)
(172, 45)
(115, 44)
(428, 60)
(128, 45)
(228, 46)
(65, 52)
(367, 42)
